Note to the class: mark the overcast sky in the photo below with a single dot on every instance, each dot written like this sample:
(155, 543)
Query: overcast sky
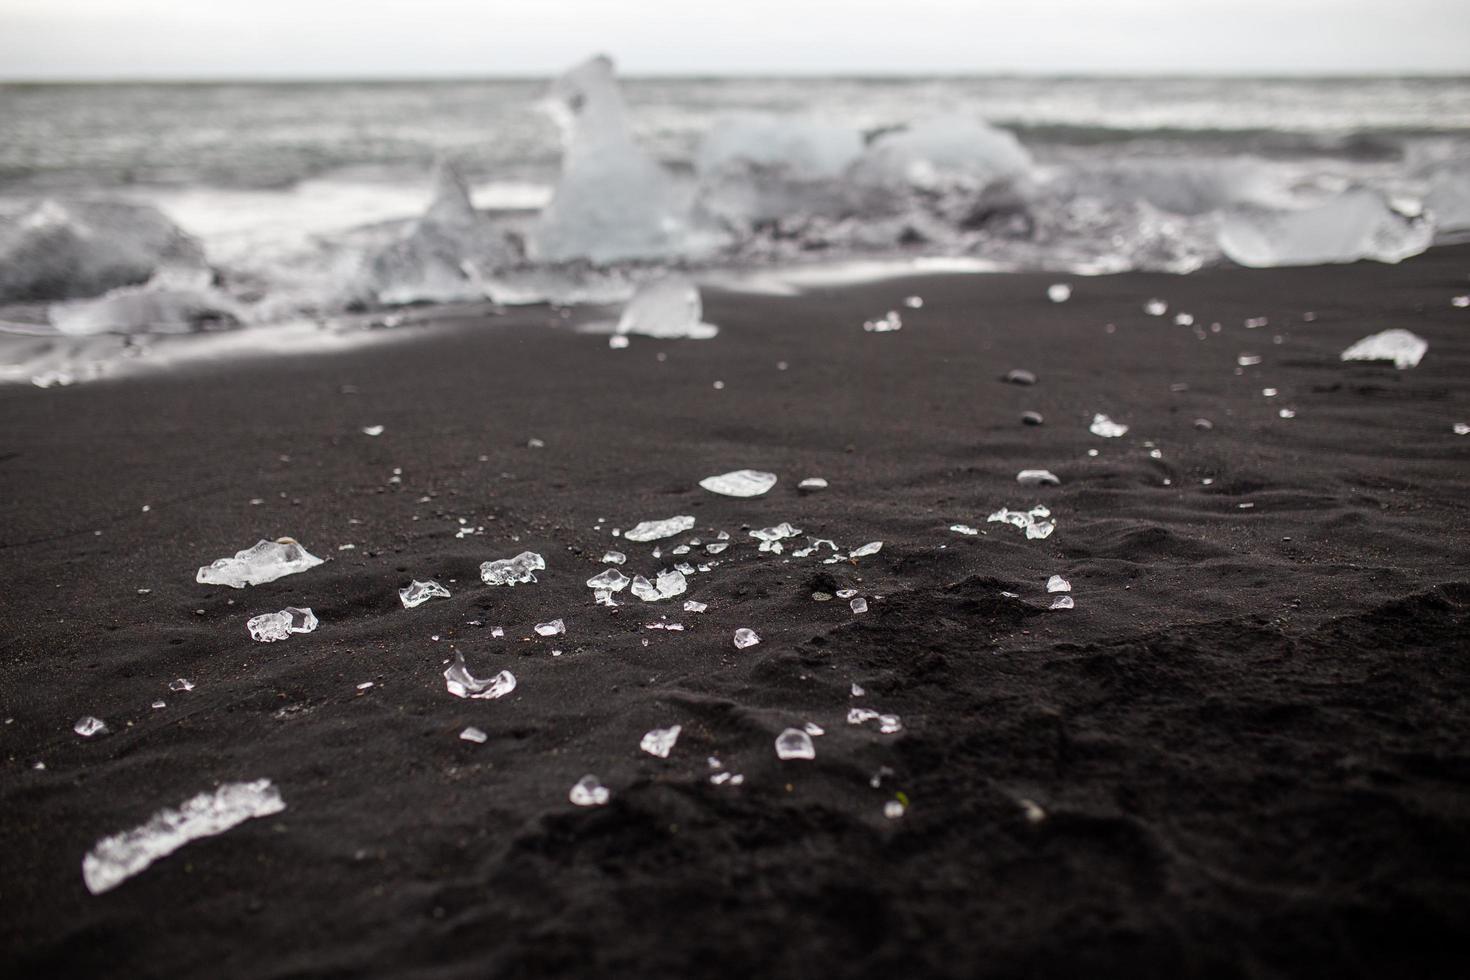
(424, 38)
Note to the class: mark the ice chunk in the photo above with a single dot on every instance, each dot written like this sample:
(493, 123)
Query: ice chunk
(893, 809)
(740, 483)
(859, 605)
(1156, 307)
(871, 548)
(610, 580)
(270, 627)
(1020, 376)
(612, 200)
(115, 859)
(512, 571)
(756, 169)
(1403, 348)
(1062, 602)
(964, 529)
(554, 628)
(589, 791)
(473, 734)
(419, 593)
(181, 684)
(695, 607)
(660, 741)
(71, 249)
(670, 584)
(668, 308)
(87, 726)
(265, 561)
(173, 301)
(887, 323)
(857, 716)
(1106, 427)
(812, 483)
(889, 725)
(1058, 584)
(745, 637)
(857, 690)
(1035, 522)
(1356, 224)
(658, 530)
(948, 153)
(462, 684)
(1059, 292)
(1449, 199)
(771, 537)
(1038, 478)
(614, 558)
(794, 743)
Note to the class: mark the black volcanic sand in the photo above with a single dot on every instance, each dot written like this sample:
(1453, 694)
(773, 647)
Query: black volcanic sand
(1250, 739)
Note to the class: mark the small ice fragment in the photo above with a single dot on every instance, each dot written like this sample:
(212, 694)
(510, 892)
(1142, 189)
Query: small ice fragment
(1183, 319)
(658, 530)
(372, 430)
(1062, 602)
(512, 571)
(857, 690)
(265, 561)
(462, 684)
(1106, 427)
(771, 537)
(554, 628)
(794, 743)
(610, 580)
(667, 308)
(589, 792)
(418, 593)
(603, 597)
(1033, 522)
(1248, 360)
(893, 809)
(497, 632)
(270, 627)
(1287, 413)
(1402, 347)
(1032, 812)
(889, 725)
(739, 483)
(745, 637)
(1058, 584)
(113, 860)
(160, 704)
(715, 547)
(617, 341)
(1461, 428)
(644, 589)
(1256, 322)
(670, 584)
(888, 323)
(813, 729)
(1156, 307)
(856, 716)
(614, 558)
(1032, 418)
(695, 607)
(859, 605)
(846, 593)
(87, 726)
(1018, 376)
(812, 483)
(1460, 302)
(534, 443)
(181, 684)
(1059, 292)
(1038, 478)
(473, 734)
(660, 741)
(871, 548)
(964, 529)
(1203, 424)
(364, 685)
(913, 302)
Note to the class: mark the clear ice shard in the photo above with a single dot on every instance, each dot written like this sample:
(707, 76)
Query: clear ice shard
(113, 860)
(695, 607)
(614, 558)
(1062, 602)
(87, 726)
(893, 809)
(264, 561)
(610, 580)
(740, 483)
(660, 741)
(888, 323)
(1356, 224)
(745, 637)
(812, 483)
(473, 734)
(1059, 292)
(1036, 522)
(589, 791)
(612, 201)
(964, 529)
(794, 743)
(181, 684)
(658, 530)
(1403, 348)
(554, 628)
(462, 684)
(418, 593)
(1106, 427)
(771, 537)
(1038, 478)
(871, 548)
(512, 571)
(270, 627)
(669, 309)
(859, 605)
(1058, 584)
(644, 589)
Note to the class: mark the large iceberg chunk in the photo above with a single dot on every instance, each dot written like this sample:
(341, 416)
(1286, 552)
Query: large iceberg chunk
(72, 249)
(761, 168)
(1357, 224)
(613, 201)
(1449, 199)
(668, 308)
(264, 561)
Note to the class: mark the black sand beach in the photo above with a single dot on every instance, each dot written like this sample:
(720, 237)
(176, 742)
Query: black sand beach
(1243, 753)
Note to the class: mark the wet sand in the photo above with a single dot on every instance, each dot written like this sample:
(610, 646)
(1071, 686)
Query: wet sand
(1242, 753)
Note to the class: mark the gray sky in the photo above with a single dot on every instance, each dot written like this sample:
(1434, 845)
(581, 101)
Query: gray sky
(416, 38)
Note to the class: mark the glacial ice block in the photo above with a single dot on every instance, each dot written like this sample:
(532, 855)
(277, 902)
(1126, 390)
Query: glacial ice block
(1357, 224)
(115, 859)
(264, 561)
(1404, 348)
(668, 308)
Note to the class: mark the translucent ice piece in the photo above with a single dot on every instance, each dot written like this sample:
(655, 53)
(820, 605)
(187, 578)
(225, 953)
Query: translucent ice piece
(265, 561)
(857, 690)
(668, 308)
(1106, 427)
(771, 537)
(660, 741)
(512, 571)
(1059, 292)
(87, 726)
(846, 593)
(857, 716)
(889, 725)
(658, 530)
(610, 580)
(951, 152)
(473, 734)
(1058, 584)
(794, 743)
(172, 302)
(1034, 522)
(614, 558)
(1156, 307)
(418, 593)
(859, 605)
(964, 529)
(1038, 478)
(462, 684)
(1403, 348)
(1062, 602)
(181, 684)
(812, 483)
(695, 607)
(554, 628)
(115, 859)
(745, 637)
(893, 809)
(888, 323)
(644, 589)
(740, 483)
(1357, 224)
(813, 729)
(270, 627)
(871, 548)
(589, 791)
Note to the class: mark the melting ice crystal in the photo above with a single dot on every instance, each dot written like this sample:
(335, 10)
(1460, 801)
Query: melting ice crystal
(1403, 348)
(660, 741)
(794, 743)
(512, 571)
(745, 637)
(418, 593)
(740, 483)
(462, 684)
(658, 530)
(265, 561)
(270, 627)
(589, 791)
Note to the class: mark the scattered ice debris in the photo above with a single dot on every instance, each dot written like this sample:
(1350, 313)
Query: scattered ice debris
(1018, 376)
(1287, 413)
(512, 571)
(1058, 584)
(660, 741)
(609, 580)
(893, 809)
(418, 593)
(1106, 427)
(554, 628)
(1357, 224)
(812, 483)
(771, 537)
(1062, 602)
(887, 323)
(914, 302)
(1405, 349)
(462, 684)
(669, 584)
(589, 791)
(181, 684)
(1156, 307)
(964, 529)
(740, 483)
(694, 607)
(87, 726)
(264, 561)
(794, 743)
(1036, 522)
(473, 734)
(372, 430)
(658, 530)
(614, 558)
(270, 627)
(1059, 292)
(1038, 478)
(113, 860)
(871, 548)
(1032, 418)
(889, 725)
(745, 637)
(859, 605)
(667, 308)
